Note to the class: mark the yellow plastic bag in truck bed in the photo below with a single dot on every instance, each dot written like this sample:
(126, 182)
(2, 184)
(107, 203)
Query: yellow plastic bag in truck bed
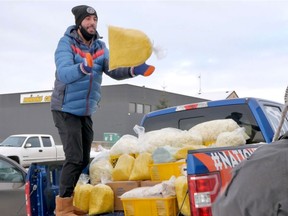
(82, 196)
(128, 47)
(181, 187)
(101, 200)
(140, 169)
(123, 168)
(182, 152)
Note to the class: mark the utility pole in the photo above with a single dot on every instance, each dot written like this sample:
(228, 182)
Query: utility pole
(164, 87)
(199, 84)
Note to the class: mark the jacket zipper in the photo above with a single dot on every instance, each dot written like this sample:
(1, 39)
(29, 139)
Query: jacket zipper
(88, 94)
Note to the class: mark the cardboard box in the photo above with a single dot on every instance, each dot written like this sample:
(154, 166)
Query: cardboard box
(120, 187)
(149, 183)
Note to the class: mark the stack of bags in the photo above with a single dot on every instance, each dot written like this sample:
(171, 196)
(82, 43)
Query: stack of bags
(132, 158)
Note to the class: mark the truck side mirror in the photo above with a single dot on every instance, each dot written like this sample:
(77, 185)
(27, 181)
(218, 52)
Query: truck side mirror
(28, 145)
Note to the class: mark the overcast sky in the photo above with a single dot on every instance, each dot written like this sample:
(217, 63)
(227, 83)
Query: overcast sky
(231, 45)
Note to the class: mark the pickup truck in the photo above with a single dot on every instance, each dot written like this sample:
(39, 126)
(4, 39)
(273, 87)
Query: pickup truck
(208, 170)
(30, 148)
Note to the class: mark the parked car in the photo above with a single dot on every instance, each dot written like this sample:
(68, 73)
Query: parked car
(28, 148)
(12, 187)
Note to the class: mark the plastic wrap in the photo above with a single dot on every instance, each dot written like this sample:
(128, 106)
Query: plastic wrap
(127, 144)
(233, 138)
(211, 129)
(100, 168)
(163, 189)
(164, 154)
(173, 137)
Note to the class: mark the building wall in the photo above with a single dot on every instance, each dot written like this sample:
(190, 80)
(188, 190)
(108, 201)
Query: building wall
(16, 118)
(112, 116)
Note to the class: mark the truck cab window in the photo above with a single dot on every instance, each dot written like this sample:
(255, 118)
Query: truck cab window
(34, 141)
(274, 115)
(185, 120)
(46, 141)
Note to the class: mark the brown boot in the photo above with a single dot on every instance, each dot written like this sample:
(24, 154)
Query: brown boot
(78, 211)
(64, 206)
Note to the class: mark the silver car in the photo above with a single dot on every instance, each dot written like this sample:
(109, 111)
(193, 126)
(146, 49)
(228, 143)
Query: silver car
(12, 188)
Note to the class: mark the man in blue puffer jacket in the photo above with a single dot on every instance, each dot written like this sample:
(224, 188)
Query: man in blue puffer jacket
(81, 59)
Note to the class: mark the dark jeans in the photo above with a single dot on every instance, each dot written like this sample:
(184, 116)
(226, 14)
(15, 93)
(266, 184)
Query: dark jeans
(76, 133)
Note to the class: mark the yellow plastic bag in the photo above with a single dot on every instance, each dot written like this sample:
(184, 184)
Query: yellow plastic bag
(81, 196)
(128, 47)
(101, 199)
(182, 152)
(123, 168)
(140, 169)
(181, 187)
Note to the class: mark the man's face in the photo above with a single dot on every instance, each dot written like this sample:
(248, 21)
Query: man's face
(90, 24)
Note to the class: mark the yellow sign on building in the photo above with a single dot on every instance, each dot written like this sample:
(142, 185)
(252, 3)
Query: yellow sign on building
(36, 97)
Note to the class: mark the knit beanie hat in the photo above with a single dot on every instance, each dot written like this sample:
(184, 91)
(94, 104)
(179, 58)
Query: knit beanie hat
(82, 11)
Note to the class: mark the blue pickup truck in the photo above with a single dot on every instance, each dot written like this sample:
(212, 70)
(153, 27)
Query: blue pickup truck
(207, 169)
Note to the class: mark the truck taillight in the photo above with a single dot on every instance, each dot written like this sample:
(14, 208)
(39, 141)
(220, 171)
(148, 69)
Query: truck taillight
(27, 198)
(203, 190)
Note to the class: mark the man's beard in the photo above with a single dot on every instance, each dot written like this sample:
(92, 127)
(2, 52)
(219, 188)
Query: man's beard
(87, 36)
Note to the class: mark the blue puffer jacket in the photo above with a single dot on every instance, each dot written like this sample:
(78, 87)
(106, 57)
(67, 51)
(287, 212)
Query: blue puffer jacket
(75, 92)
